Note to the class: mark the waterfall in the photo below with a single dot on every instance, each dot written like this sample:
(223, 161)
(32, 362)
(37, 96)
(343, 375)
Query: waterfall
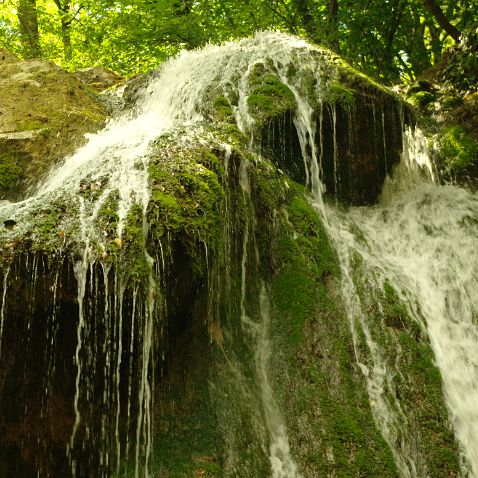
(421, 241)
(116, 359)
(416, 249)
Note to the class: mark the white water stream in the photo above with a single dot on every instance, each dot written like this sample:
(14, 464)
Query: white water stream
(424, 242)
(422, 239)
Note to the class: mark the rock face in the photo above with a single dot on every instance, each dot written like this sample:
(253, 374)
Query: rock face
(176, 308)
(98, 78)
(359, 137)
(44, 115)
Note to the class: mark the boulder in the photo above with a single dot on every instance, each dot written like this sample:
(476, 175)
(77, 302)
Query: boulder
(44, 115)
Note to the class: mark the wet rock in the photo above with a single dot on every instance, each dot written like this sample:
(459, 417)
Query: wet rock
(10, 223)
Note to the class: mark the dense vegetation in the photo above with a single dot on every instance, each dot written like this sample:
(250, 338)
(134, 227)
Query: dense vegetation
(391, 39)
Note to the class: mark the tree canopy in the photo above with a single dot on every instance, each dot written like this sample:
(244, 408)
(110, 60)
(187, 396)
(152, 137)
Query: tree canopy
(394, 40)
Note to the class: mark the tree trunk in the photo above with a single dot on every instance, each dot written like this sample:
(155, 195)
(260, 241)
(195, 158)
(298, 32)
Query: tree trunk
(419, 54)
(436, 43)
(305, 18)
(331, 28)
(66, 37)
(64, 10)
(389, 53)
(433, 7)
(28, 20)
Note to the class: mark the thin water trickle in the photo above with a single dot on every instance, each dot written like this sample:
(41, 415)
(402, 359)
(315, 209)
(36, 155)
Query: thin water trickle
(6, 273)
(277, 442)
(282, 462)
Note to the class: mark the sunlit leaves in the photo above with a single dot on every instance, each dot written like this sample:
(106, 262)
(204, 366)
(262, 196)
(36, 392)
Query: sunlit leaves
(391, 39)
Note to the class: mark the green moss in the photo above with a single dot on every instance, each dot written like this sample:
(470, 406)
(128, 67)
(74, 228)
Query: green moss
(312, 335)
(450, 101)
(396, 315)
(90, 191)
(108, 219)
(94, 115)
(186, 199)
(167, 213)
(421, 99)
(457, 148)
(223, 110)
(422, 396)
(268, 97)
(50, 224)
(339, 93)
(418, 384)
(29, 125)
(11, 173)
(133, 258)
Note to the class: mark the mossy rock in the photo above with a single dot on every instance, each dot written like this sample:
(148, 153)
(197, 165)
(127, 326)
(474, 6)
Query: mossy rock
(45, 113)
(421, 99)
(11, 174)
(268, 97)
(223, 110)
(339, 93)
(323, 389)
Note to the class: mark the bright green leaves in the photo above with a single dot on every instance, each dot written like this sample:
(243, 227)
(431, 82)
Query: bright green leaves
(457, 148)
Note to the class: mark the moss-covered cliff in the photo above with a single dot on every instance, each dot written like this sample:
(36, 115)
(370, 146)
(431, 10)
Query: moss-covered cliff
(154, 337)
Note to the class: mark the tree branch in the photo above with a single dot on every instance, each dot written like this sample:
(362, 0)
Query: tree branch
(433, 7)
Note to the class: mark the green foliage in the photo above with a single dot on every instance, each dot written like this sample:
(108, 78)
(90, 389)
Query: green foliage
(458, 149)
(461, 69)
(390, 40)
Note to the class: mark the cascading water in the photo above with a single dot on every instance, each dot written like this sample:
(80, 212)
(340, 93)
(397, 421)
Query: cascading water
(422, 241)
(115, 163)
(419, 241)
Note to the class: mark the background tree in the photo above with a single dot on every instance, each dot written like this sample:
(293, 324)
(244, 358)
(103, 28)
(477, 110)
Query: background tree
(28, 22)
(433, 7)
(394, 40)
